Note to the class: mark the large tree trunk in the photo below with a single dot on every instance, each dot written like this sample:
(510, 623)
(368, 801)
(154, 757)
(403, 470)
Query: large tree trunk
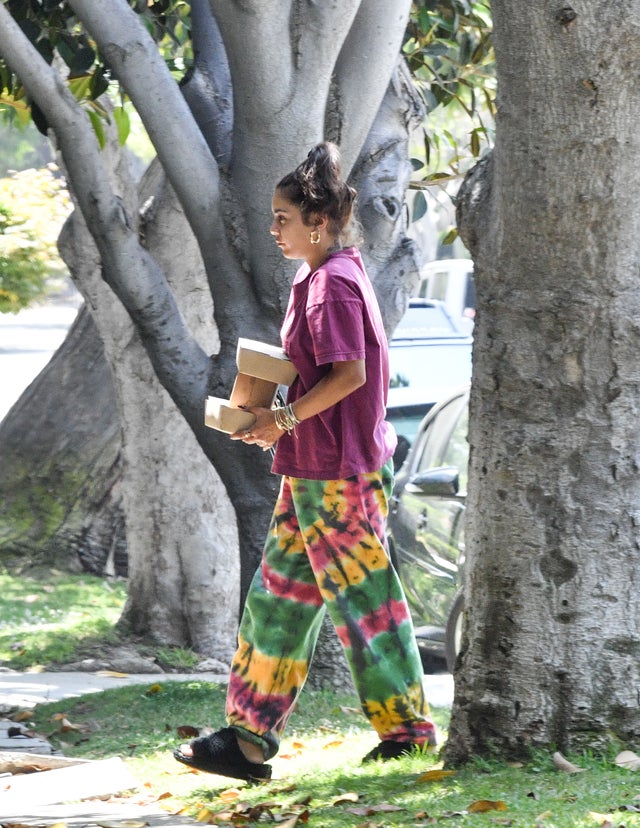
(550, 653)
(61, 466)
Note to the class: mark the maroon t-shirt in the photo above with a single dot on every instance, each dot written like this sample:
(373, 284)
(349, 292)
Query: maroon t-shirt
(333, 316)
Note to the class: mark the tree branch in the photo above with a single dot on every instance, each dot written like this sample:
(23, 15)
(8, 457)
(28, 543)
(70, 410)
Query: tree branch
(207, 87)
(181, 147)
(180, 363)
(133, 55)
(370, 51)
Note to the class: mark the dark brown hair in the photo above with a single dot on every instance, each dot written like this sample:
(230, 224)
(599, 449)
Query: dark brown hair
(316, 187)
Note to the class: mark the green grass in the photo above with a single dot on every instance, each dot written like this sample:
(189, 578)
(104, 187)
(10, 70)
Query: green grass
(51, 617)
(319, 764)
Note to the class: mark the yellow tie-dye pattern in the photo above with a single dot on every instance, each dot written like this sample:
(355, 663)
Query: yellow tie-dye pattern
(353, 571)
(268, 674)
(386, 718)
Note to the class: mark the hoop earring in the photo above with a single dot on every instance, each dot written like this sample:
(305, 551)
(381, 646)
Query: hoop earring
(314, 236)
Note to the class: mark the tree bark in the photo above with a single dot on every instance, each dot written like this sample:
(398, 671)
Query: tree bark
(552, 633)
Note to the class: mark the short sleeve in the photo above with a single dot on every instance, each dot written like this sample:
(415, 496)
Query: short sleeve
(337, 330)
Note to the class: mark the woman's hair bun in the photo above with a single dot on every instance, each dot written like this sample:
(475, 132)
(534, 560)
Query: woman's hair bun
(316, 186)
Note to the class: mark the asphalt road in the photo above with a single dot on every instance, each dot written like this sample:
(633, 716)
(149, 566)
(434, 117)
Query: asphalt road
(27, 341)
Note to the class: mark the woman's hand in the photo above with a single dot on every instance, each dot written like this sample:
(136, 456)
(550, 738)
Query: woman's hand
(263, 433)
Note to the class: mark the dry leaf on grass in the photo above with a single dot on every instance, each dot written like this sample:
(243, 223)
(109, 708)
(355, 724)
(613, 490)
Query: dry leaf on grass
(564, 765)
(229, 795)
(187, 732)
(66, 726)
(435, 775)
(346, 797)
(482, 806)
(155, 688)
(370, 810)
(629, 760)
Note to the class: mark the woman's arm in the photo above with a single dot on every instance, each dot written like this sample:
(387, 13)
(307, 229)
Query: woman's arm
(342, 379)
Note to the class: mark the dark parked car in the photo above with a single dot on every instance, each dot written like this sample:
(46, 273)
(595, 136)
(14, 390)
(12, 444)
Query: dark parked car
(426, 527)
(429, 356)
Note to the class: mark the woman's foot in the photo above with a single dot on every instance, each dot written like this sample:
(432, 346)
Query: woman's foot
(223, 753)
(388, 749)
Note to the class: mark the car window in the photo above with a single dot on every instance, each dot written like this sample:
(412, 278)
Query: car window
(438, 434)
(456, 451)
(429, 364)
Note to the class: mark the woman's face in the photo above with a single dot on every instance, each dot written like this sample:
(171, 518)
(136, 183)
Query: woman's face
(291, 234)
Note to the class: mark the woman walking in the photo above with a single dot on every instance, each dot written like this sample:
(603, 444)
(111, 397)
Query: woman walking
(325, 549)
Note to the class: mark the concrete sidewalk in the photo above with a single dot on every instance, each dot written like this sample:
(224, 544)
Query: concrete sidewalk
(29, 689)
(26, 690)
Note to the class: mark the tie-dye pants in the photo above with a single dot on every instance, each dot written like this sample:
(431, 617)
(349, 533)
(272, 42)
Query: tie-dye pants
(326, 549)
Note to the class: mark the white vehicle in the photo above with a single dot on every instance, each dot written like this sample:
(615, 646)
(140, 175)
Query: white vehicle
(450, 281)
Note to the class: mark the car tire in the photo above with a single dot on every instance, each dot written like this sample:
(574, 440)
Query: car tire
(453, 634)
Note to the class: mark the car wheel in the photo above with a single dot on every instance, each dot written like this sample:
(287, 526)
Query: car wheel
(453, 635)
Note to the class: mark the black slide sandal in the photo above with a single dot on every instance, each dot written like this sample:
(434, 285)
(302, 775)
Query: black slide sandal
(219, 753)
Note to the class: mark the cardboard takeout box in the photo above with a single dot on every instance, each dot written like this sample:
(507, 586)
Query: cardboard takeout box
(261, 369)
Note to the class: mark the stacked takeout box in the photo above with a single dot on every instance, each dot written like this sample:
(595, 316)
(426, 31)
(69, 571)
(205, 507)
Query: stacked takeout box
(261, 369)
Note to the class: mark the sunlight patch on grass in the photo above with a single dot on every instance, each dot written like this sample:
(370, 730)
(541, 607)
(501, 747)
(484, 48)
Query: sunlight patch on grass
(47, 617)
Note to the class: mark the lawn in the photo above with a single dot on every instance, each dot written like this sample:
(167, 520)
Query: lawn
(51, 617)
(318, 779)
(47, 616)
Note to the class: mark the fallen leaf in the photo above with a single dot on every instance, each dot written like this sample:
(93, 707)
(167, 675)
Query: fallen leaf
(112, 674)
(229, 794)
(22, 716)
(155, 688)
(629, 760)
(435, 775)
(122, 823)
(344, 709)
(292, 821)
(204, 815)
(482, 806)
(564, 765)
(346, 797)
(187, 732)
(287, 789)
(335, 743)
(370, 810)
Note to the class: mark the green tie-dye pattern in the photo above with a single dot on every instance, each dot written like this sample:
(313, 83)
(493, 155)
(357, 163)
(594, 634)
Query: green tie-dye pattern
(326, 551)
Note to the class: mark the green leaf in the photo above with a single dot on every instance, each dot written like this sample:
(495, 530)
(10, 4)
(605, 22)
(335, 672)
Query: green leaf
(419, 206)
(451, 236)
(82, 61)
(123, 124)
(80, 86)
(98, 127)
(475, 143)
(99, 83)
